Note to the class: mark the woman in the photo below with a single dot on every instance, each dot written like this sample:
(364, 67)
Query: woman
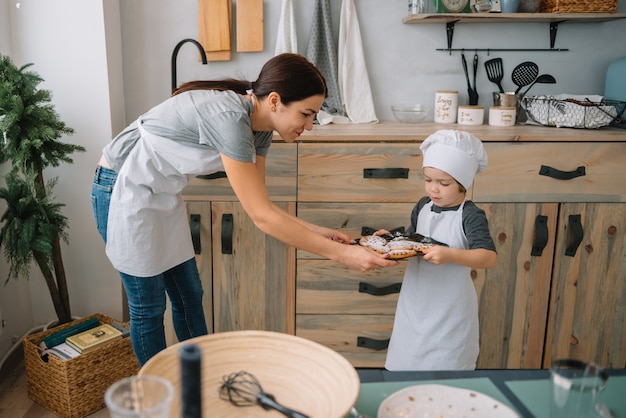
(205, 127)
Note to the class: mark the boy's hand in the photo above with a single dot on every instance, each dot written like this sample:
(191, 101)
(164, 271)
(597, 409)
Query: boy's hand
(437, 254)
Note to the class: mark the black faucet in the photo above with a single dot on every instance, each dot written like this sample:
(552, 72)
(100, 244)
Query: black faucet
(175, 54)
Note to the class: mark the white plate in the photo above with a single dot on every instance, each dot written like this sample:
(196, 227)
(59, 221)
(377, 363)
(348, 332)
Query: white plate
(439, 401)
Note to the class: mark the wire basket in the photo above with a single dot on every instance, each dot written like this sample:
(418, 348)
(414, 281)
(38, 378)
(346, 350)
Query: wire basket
(573, 113)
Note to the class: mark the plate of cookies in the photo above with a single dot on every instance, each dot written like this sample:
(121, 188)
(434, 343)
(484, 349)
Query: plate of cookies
(398, 247)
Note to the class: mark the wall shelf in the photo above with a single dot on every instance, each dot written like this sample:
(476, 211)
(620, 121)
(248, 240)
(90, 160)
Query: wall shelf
(554, 19)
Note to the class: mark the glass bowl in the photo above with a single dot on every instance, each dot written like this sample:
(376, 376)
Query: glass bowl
(410, 113)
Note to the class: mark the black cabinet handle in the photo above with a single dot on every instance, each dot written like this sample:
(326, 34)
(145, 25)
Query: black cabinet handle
(194, 226)
(561, 175)
(370, 289)
(386, 173)
(541, 235)
(576, 234)
(366, 230)
(227, 233)
(216, 175)
(377, 345)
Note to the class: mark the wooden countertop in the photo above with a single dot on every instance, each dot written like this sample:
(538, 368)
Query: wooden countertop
(411, 132)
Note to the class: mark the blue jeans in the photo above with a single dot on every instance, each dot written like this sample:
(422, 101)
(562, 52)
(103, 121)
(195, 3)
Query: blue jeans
(146, 295)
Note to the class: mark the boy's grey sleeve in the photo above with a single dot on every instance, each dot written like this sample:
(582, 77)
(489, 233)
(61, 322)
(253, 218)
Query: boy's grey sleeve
(476, 227)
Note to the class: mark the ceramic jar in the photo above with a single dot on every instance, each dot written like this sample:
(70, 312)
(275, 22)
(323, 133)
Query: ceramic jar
(502, 116)
(446, 105)
(470, 115)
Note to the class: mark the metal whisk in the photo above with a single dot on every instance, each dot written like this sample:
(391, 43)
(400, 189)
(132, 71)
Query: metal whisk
(243, 389)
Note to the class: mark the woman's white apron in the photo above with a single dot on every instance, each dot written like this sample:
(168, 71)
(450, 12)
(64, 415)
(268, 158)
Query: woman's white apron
(148, 231)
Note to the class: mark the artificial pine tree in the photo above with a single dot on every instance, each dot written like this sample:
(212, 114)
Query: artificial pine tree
(32, 225)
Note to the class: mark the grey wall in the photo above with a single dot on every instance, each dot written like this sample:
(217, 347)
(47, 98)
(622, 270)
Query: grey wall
(401, 58)
(106, 67)
(75, 46)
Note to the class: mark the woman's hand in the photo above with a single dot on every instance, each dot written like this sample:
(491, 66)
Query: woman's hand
(360, 258)
(334, 235)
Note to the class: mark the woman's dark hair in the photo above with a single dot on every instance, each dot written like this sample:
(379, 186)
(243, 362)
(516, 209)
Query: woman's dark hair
(292, 76)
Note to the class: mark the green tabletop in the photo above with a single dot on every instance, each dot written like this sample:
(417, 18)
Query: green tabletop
(535, 395)
(372, 394)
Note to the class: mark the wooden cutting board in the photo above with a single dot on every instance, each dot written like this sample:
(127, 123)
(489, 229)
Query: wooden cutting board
(215, 28)
(249, 25)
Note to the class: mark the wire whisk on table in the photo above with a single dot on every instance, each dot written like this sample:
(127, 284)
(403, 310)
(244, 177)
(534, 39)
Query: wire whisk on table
(243, 389)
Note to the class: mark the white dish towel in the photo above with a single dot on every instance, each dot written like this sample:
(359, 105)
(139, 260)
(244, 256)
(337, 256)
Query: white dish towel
(354, 84)
(287, 40)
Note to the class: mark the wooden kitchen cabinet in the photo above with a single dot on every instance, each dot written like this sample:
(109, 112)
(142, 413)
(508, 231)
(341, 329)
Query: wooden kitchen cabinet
(247, 276)
(558, 215)
(532, 308)
(350, 187)
(349, 311)
(543, 300)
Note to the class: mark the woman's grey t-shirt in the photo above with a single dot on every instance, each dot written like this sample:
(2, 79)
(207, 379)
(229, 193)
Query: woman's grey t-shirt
(148, 230)
(218, 120)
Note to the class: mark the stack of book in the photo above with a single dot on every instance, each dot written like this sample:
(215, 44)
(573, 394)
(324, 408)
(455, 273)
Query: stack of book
(82, 338)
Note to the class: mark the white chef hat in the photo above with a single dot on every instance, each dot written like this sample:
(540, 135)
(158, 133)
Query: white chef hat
(458, 153)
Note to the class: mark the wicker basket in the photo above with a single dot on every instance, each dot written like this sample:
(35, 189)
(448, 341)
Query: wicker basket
(578, 6)
(75, 388)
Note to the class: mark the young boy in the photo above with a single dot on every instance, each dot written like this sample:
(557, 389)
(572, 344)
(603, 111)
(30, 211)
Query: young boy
(436, 322)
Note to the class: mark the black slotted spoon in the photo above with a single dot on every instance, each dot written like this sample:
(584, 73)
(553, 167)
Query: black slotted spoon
(495, 72)
(524, 74)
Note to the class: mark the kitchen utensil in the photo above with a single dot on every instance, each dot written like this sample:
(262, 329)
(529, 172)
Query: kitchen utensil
(543, 78)
(495, 72)
(140, 397)
(434, 400)
(473, 100)
(243, 389)
(414, 236)
(308, 376)
(469, 84)
(575, 387)
(409, 113)
(214, 29)
(524, 74)
(249, 26)
(421, 238)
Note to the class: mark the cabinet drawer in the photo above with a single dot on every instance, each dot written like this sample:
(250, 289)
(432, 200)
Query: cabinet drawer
(351, 218)
(526, 172)
(280, 179)
(350, 335)
(326, 287)
(359, 173)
